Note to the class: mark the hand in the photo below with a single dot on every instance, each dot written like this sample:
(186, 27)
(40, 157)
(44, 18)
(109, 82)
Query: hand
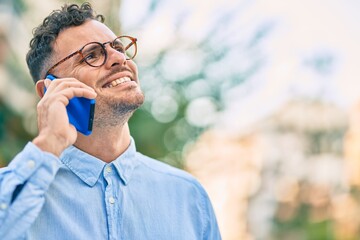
(55, 131)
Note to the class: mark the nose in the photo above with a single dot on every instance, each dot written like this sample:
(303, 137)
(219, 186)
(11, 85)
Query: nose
(114, 57)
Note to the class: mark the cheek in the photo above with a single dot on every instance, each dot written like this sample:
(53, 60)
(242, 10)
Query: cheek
(133, 67)
(87, 76)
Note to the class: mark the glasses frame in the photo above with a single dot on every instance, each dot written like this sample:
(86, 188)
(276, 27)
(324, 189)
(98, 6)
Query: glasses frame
(111, 43)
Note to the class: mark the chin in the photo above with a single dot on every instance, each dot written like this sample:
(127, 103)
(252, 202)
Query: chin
(116, 111)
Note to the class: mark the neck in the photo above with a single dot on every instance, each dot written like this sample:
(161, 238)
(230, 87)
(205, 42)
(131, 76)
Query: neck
(105, 144)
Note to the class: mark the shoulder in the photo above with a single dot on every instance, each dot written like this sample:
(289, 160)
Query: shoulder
(165, 172)
(178, 184)
(182, 189)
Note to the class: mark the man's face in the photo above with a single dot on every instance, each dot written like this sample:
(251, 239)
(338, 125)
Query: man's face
(115, 101)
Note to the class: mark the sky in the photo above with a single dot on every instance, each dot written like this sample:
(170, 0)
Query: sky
(311, 51)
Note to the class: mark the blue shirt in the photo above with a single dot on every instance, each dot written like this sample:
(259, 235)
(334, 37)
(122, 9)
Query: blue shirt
(81, 197)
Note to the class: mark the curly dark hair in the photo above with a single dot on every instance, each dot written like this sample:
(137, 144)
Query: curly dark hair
(39, 56)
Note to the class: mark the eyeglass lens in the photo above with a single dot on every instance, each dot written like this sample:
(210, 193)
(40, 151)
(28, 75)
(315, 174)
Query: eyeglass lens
(94, 53)
(125, 45)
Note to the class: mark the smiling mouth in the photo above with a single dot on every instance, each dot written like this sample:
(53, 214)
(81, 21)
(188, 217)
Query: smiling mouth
(117, 82)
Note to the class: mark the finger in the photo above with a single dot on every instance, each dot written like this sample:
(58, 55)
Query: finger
(64, 84)
(47, 82)
(69, 93)
(60, 81)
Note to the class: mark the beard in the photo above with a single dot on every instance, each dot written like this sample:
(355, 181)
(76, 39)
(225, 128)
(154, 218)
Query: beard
(116, 112)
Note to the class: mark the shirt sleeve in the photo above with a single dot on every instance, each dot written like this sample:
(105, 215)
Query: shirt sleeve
(210, 227)
(23, 185)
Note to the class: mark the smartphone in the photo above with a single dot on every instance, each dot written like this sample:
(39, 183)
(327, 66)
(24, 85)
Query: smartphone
(80, 111)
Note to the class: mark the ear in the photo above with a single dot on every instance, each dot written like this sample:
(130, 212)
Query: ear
(40, 88)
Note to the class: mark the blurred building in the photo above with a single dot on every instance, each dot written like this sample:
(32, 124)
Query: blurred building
(291, 175)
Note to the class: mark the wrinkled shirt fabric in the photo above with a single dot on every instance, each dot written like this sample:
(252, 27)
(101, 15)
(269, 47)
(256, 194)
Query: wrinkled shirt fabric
(78, 196)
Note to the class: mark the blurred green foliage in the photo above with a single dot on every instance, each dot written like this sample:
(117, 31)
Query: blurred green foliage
(13, 136)
(301, 226)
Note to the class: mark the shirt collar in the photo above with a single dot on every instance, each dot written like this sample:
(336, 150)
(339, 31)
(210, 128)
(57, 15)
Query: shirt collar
(88, 168)
(126, 163)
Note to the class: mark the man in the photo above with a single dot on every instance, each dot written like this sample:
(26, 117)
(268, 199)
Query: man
(65, 185)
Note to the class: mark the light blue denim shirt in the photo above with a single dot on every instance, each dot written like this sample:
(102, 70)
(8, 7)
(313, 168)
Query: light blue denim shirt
(81, 197)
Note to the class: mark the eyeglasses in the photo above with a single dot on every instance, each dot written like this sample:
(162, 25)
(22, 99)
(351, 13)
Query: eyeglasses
(95, 54)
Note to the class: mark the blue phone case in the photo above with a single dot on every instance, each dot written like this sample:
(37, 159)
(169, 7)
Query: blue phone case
(80, 111)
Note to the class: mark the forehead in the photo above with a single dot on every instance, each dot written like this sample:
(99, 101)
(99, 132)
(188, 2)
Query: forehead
(73, 38)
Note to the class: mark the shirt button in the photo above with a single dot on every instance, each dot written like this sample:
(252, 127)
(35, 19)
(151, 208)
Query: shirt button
(31, 164)
(108, 169)
(3, 206)
(111, 200)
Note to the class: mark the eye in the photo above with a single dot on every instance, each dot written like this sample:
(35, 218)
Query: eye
(93, 55)
(119, 48)
(89, 57)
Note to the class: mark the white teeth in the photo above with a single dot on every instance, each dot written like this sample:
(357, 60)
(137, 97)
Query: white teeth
(117, 82)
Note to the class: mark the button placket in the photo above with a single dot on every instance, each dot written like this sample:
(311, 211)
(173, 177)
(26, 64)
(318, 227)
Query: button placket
(109, 192)
(110, 200)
